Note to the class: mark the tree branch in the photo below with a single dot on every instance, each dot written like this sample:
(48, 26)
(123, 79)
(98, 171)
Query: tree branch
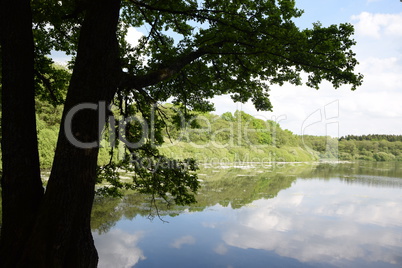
(46, 82)
(162, 74)
(203, 14)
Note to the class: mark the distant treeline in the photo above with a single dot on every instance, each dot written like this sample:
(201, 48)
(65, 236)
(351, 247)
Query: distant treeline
(373, 137)
(378, 148)
(232, 137)
(258, 137)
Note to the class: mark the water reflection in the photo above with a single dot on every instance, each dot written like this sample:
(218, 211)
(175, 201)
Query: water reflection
(317, 222)
(344, 215)
(179, 242)
(118, 249)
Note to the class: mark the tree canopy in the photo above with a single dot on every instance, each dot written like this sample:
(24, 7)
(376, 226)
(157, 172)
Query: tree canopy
(194, 50)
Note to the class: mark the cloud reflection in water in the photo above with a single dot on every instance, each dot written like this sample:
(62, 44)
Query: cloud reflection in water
(337, 225)
(118, 249)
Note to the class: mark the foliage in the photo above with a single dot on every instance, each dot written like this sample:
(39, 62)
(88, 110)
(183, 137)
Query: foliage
(382, 156)
(372, 147)
(234, 47)
(373, 137)
(230, 137)
(155, 174)
(48, 122)
(237, 137)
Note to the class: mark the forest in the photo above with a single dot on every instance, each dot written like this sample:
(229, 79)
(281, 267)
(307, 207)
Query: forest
(230, 137)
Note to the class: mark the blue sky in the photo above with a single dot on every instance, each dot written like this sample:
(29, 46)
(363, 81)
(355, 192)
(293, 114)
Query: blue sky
(374, 108)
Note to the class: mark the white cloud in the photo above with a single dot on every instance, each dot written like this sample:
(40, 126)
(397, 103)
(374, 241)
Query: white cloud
(118, 249)
(381, 74)
(378, 25)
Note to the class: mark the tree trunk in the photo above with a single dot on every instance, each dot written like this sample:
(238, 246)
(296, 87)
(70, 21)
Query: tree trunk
(61, 235)
(22, 189)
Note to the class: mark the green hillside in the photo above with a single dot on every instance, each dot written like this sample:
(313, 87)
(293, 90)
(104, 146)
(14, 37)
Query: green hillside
(237, 137)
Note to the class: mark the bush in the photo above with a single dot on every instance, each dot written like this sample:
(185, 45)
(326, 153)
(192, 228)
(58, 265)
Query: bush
(382, 156)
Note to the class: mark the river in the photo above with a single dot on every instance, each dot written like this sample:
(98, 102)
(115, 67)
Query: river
(263, 215)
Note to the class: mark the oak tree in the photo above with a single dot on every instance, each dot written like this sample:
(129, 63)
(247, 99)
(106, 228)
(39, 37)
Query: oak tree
(192, 51)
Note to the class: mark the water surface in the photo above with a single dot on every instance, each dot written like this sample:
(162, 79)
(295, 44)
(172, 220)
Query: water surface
(287, 215)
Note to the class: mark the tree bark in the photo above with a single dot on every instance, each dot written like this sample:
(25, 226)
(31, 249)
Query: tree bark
(21, 184)
(61, 235)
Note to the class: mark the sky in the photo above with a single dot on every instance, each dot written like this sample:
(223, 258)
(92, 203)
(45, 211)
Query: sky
(374, 108)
